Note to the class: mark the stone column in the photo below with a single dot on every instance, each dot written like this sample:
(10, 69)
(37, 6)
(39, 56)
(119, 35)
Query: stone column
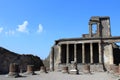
(111, 54)
(14, 70)
(83, 53)
(59, 53)
(91, 53)
(67, 52)
(52, 59)
(75, 53)
(100, 52)
(30, 69)
(43, 69)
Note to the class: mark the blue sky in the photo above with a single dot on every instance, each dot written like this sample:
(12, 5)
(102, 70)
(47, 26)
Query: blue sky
(32, 26)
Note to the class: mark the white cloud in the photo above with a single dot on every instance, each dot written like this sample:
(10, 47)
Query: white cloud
(23, 27)
(40, 28)
(10, 32)
(1, 29)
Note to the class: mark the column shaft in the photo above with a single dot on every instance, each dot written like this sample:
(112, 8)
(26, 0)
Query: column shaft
(52, 59)
(75, 53)
(67, 52)
(111, 54)
(60, 53)
(100, 52)
(83, 53)
(91, 53)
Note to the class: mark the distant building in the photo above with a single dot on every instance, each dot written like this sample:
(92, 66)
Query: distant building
(98, 48)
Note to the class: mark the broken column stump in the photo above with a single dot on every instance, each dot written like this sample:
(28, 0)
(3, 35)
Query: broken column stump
(74, 69)
(43, 69)
(13, 70)
(30, 70)
(115, 69)
(65, 69)
(111, 68)
(86, 68)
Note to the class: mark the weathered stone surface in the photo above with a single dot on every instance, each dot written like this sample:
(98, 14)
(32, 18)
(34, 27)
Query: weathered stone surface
(65, 69)
(43, 69)
(30, 70)
(74, 69)
(96, 47)
(86, 68)
(13, 70)
(7, 57)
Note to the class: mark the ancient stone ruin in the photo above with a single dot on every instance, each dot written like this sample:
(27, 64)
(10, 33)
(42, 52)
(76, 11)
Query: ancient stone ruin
(13, 70)
(43, 69)
(30, 70)
(7, 57)
(98, 49)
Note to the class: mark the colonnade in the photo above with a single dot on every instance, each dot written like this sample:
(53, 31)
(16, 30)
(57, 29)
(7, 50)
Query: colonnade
(80, 52)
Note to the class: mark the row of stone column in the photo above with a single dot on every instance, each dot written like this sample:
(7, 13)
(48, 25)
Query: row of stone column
(83, 52)
(14, 70)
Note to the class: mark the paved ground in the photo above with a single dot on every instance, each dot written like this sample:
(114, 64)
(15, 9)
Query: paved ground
(63, 76)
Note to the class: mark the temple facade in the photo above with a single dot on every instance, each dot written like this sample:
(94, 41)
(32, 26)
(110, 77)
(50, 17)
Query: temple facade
(98, 48)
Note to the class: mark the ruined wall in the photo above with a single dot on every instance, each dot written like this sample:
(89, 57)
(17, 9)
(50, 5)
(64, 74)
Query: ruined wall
(105, 27)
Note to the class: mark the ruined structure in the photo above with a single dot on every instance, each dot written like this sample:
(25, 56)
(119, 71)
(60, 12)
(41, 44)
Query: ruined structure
(98, 48)
(7, 57)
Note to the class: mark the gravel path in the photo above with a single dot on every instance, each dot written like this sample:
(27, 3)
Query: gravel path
(63, 76)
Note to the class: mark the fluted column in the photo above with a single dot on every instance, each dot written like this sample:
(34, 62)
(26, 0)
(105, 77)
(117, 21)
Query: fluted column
(91, 53)
(75, 53)
(83, 53)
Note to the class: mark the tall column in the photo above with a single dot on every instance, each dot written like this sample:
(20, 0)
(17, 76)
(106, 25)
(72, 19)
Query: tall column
(91, 53)
(67, 52)
(100, 52)
(83, 53)
(60, 53)
(75, 53)
(111, 53)
(52, 59)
